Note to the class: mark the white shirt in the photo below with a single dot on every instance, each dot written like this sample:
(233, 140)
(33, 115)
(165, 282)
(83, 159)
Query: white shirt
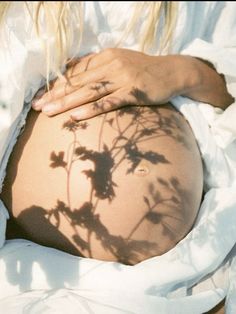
(161, 284)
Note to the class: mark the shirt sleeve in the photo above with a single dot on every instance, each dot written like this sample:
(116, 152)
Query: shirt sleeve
(219, 48)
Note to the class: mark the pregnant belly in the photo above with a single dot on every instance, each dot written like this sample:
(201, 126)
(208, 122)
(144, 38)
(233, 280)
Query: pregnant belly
(122, 186)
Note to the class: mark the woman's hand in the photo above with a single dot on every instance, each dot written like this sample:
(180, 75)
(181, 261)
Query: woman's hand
(111, 79)
(116, 77)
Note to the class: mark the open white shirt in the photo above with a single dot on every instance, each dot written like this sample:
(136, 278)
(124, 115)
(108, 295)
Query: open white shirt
(188, 278)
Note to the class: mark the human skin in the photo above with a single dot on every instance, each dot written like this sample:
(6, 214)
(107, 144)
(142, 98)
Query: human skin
(102, 81)
(123, 186)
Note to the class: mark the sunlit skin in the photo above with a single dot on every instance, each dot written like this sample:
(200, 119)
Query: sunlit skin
(108, 78)
(139, 210)
(118, 187)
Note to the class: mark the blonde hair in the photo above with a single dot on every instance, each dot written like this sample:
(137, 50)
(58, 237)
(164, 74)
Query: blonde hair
(156, 25)
(161, 20)
(4, 5)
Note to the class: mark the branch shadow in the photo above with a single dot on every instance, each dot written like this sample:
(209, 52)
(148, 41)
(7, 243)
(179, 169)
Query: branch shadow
(106, 160)
(145, 123)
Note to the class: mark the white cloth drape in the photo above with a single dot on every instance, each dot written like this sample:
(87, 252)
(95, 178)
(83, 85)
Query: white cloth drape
(180, 281)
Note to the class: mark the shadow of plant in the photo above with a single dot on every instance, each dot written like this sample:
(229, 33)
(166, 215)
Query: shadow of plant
(125, 146)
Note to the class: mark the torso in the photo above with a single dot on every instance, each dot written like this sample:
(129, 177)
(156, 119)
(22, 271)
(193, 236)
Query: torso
(122, 186)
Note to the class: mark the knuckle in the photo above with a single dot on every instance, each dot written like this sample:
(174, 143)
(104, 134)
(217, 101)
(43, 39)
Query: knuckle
(52, 94)
(109, 105)
(109, 52)
(93, 89)
(141, 85)
(128, 77)
(96, 107)
(120, 63)
(46, 98)
(63, 105)
(99, 106)
(66, 103)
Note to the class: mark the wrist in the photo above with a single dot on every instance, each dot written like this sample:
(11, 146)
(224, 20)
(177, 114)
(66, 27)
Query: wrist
(201, 82)
(184, 75)
(187, 76)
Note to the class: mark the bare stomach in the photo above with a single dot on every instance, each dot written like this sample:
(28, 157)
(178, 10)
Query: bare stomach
(122, 186)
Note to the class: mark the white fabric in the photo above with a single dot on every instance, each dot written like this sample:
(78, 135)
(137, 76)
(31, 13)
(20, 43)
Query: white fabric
(34, 279)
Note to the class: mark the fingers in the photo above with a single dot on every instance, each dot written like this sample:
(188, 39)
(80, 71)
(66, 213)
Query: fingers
(65, 84)
(90, 80)
(75, 84)
(79, 65)
(91, 68)
(42, 93)
(94, 60)
(111, 102)
(89, 62)
(86, 94)
(39, 94)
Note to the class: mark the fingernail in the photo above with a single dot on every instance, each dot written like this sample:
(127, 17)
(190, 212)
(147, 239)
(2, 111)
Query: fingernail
(50, 108)
(77, 115)
(37, 104)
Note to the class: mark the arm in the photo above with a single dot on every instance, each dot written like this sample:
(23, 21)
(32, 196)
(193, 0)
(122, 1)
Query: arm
(116, 77)
(209, 86)
(213, 42)
(215, 45)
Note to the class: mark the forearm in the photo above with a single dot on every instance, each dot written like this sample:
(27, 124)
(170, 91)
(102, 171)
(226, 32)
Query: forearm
(201, 82)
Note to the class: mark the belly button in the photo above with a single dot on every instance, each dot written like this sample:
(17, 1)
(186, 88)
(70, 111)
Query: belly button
(141, 170)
